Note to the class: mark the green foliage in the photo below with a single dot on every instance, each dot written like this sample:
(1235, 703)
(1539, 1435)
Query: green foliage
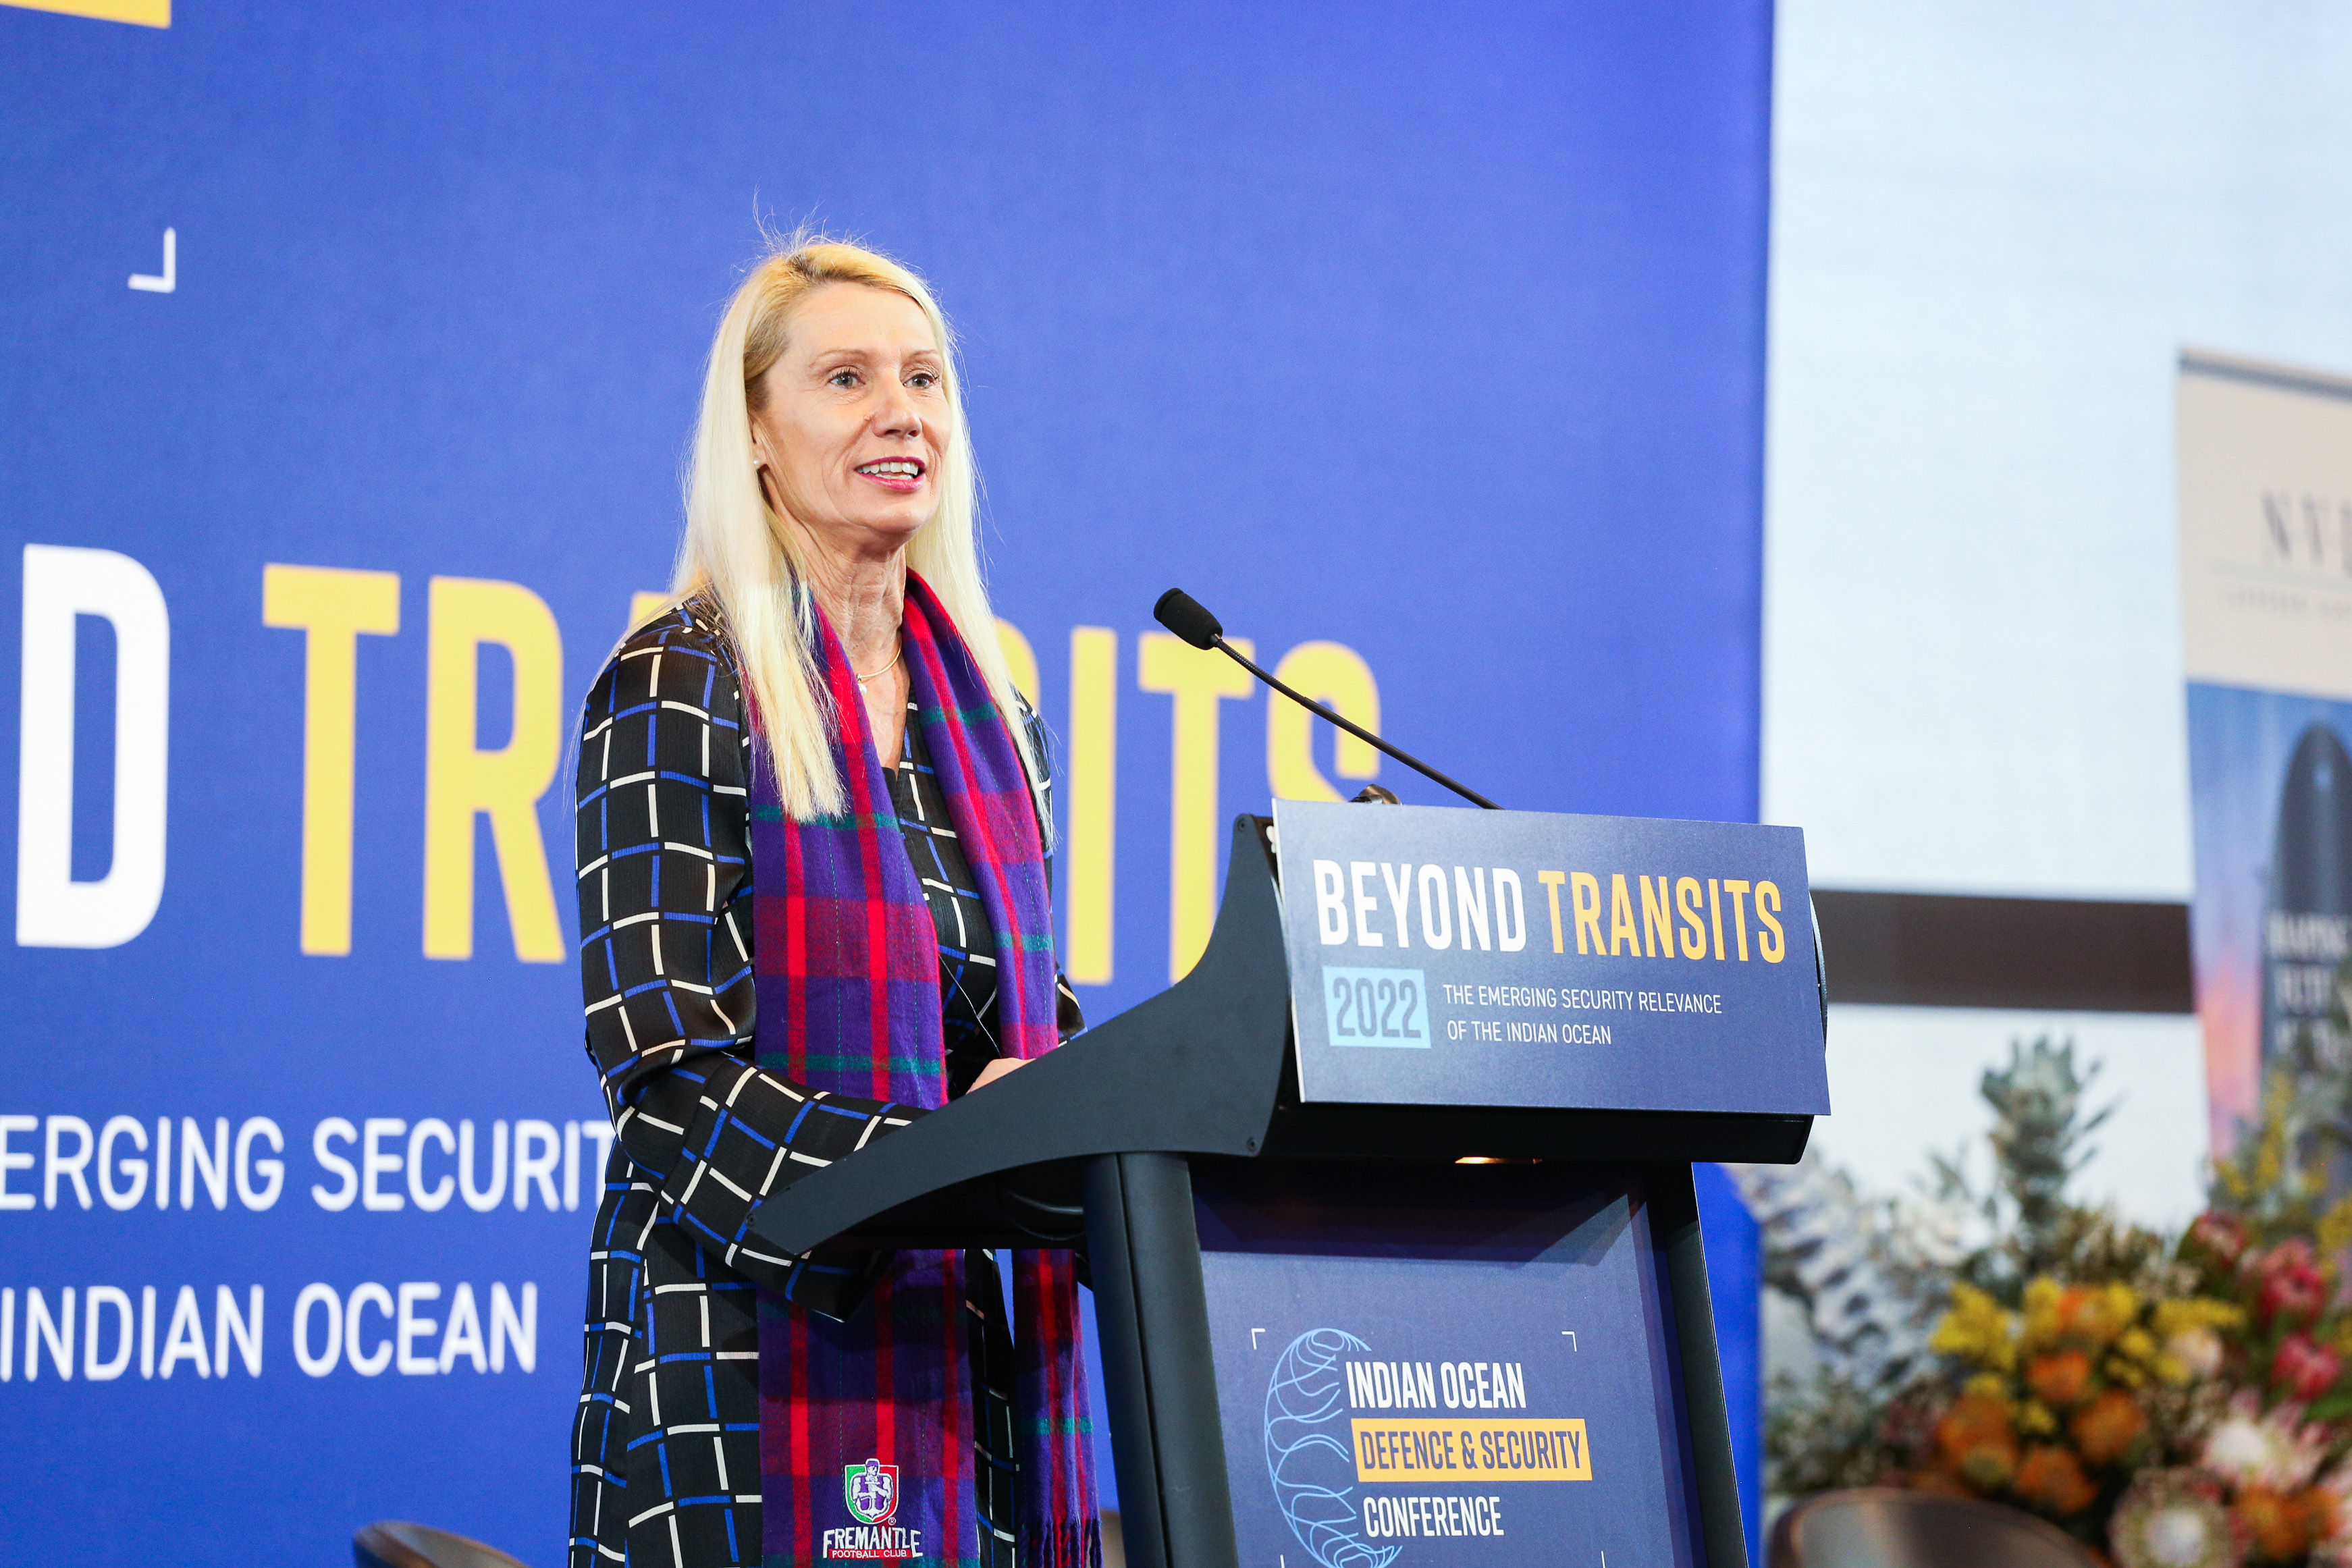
(1860, 1420)
(2278, 1178)
(2037, 1141)
(1823, 1434)
(2039, 1146)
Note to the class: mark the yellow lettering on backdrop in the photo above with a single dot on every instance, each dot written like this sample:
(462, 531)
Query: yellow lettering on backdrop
(1093, 810)
(1020, 659)
(1337, 676)
(1198, 679)
(142, 13)
(333, 609)
(644, 607)
(504, 784)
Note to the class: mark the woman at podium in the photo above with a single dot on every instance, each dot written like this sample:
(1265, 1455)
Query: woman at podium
(811, 824)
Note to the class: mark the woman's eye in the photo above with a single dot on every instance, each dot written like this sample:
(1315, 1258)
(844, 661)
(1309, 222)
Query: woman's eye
(924, 380)
(842, 378)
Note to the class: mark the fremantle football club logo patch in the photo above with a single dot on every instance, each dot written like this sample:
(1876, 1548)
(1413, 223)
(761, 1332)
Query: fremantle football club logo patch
(871, 1490)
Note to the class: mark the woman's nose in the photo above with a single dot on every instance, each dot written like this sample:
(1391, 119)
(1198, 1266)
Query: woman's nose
(896, 414)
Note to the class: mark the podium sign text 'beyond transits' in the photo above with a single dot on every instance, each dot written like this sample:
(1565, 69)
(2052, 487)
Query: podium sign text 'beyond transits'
(1446, 957)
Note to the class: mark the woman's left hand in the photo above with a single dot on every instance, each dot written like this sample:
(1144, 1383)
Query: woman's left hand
(996, 1070)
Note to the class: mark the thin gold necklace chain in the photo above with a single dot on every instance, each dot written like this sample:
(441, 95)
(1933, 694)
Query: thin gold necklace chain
(887, 668)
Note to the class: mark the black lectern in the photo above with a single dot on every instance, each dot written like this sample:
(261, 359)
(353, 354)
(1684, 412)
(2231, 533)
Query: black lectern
(1181, 1126)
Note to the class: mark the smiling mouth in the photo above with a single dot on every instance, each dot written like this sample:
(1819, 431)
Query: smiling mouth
(899, 470)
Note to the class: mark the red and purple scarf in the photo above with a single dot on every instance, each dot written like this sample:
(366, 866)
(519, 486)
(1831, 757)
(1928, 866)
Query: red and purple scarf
(865, 1426)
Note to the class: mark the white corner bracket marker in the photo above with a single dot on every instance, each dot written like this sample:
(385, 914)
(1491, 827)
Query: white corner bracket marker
(150, 283)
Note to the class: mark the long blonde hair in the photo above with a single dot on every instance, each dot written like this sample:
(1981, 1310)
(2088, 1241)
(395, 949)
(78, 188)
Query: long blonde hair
(737, 552)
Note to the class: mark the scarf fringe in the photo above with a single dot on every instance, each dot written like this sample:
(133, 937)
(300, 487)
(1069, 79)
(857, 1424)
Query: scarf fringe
(1077, 1545)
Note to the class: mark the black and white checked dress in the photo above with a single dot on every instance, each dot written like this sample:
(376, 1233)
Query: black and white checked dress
(665, 1446)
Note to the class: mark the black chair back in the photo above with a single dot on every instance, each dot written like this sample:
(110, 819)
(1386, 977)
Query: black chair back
(1885, 1527)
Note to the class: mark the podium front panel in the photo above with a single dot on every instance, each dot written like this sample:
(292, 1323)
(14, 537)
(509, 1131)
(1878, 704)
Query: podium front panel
(1453, 1367)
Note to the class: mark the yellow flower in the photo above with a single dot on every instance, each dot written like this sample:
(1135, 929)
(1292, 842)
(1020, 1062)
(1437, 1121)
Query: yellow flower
(1977, 1329)
(1988, 1386)
(2034, 1418)
(2185, 1313)
(2137, 1345)
(2088, 1316)
(2334, 1233)
(2099, 1316)
(2041, 1298)
(2270, 1157)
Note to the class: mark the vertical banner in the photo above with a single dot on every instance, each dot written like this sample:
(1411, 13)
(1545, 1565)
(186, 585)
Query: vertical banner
(2265, 458)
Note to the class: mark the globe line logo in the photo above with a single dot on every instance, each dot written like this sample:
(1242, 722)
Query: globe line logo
(1308, 1455)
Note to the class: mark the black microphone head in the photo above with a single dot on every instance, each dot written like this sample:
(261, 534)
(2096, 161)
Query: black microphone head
(1188, 618)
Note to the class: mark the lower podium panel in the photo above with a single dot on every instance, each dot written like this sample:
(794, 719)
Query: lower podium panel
(1458, 1367)
(1424, 1366)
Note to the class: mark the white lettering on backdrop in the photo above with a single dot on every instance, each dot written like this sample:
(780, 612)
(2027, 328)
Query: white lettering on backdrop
(53, 910)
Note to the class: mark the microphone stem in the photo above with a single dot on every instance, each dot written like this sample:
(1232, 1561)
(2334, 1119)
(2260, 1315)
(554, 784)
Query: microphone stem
(1366, 736)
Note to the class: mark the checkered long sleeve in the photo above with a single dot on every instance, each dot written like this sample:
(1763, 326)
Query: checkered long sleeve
(665, 950)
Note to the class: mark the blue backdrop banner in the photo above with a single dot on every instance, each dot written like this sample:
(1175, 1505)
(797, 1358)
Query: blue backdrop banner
(351, 353)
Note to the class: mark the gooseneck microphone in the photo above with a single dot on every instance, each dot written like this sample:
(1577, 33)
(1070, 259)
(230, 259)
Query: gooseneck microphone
(1189, 620)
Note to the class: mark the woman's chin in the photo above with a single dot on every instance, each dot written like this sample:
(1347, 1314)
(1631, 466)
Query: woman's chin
(897, 530)
(888, 528)
(902, 522)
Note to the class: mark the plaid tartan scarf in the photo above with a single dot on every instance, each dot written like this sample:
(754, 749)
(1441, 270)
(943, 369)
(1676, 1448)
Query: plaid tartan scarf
(865, 1425)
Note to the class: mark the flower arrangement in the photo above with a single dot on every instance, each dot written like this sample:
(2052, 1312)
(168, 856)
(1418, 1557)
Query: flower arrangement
(2171, 1405)
(2179, 1429)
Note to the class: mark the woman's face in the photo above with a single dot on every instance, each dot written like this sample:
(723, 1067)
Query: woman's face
(855, 420)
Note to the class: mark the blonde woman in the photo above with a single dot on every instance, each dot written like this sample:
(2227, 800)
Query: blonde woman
(811, 828)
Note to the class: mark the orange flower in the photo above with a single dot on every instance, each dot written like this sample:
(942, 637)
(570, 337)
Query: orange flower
(1975, 1439)
(2323, 1513)
(1936, 1479)
(2052, 1480)
(2060, 1379)
(2106, 1427)
(2277, 1525)
(2091, 1315)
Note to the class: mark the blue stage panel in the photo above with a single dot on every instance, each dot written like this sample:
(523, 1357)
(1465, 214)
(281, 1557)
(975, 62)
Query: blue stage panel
(1435, 335)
